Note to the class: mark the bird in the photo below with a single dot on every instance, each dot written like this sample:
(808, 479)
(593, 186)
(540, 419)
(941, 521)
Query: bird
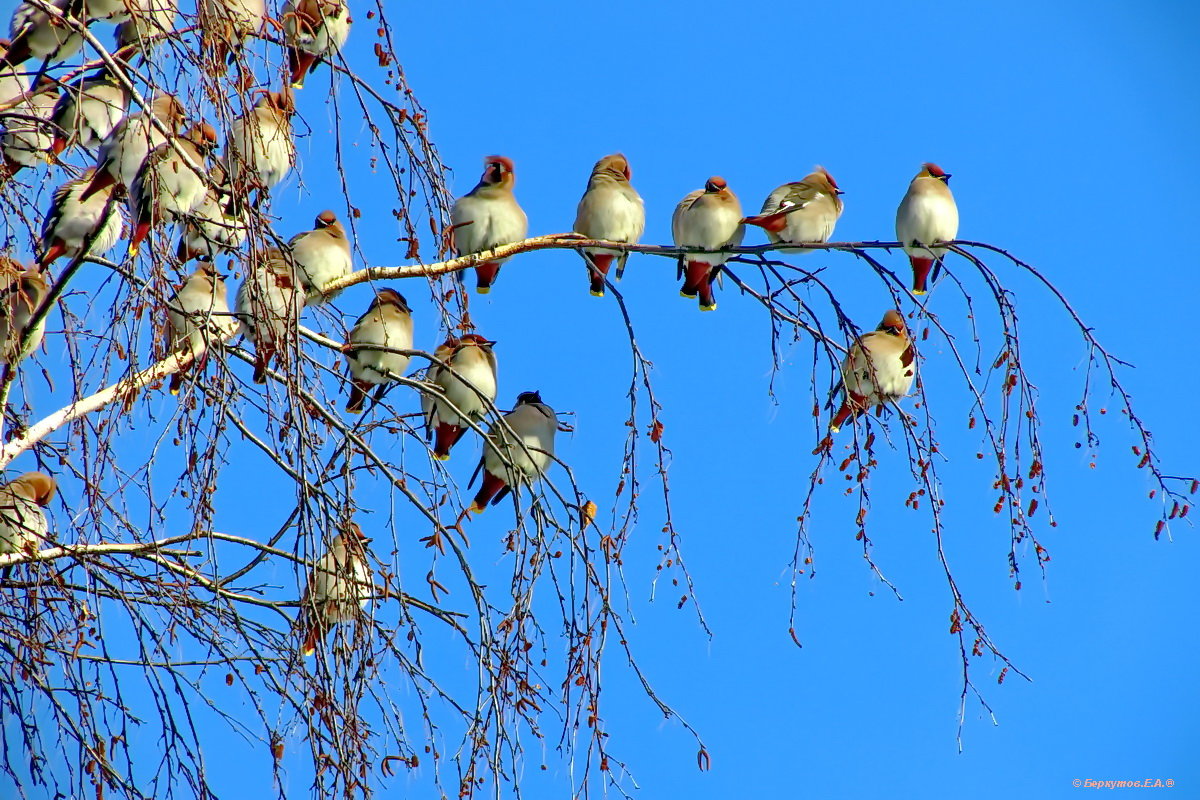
(13, 81)
(488, 216)
(801, 212)
(321, 255)
(879, 368)
(200, 301)
(72, 224)
(168, 188)
(22, 293)
(467, 376)
(125, 150)
(36, 33)
(708, 218)
(268, 306)
(88, 110)
(224, 26)
(149, 21)
(211, 228)
(339, 587)
(260, 150)
(509, 462)
(313, 29)
(386, 323)
(610, 209)
(23, 525)
(28, 133)
(927, 214)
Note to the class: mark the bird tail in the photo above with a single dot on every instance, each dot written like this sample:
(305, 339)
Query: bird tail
(101, 180)
(262, 360)
(485, 276)
(920, 268)
(598, 266)
(300, 63)
(445, 437)
(358, 396)
(770, 222)
(492, 491)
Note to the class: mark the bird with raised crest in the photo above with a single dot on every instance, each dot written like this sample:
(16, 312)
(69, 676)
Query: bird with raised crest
(801, 212)
(926, 215)
(260, 150)
(488, 216)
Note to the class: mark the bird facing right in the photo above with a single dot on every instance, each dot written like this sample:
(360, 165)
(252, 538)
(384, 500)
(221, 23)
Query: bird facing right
(927, 214)
(488, 216)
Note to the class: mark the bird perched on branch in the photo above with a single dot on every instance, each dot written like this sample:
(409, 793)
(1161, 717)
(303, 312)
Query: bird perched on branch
(224, 27)
(168, 188)
(927, 214)
(260, 150)
(321, 255)
(386, 324)
(35, 33)
(88, 111)
(488, 216)
(149, 21)
(28, 132)
(338, 589)
(467, 376)
(801, 212)
(268, 307)
(210, 228)
(23, 525)
(509, 462)
(22, 293)
(709, 218)
(13, 81)
(878, 369)
(125, 150)
(194, 313)
(313, 29)
(71, 224)
(611, 210)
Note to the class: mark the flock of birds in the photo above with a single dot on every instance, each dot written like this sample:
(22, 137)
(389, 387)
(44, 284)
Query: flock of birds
(168, 173)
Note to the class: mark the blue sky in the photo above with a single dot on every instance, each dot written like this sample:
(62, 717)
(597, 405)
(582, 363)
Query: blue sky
(1070, 132)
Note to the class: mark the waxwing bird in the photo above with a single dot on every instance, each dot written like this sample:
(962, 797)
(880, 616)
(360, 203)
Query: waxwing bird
(210, 228)
(313, 29)
(878, 369)
(22, 293)
(149, 21)
(386, 324)
(199, 302)
(125, 150)
(73, 225)
(260, 149)
(28, 132)
(467, 376)
(168, 188)
(88, 110)
(13, 82)
(35, 33)
(611, 210)
(268, 307)
(224, 26)
(488, 216)
(339, 587)
(512, 462)
(709, 218)
(321, 255)
(801, 212)
(927, 214)
(23, 526)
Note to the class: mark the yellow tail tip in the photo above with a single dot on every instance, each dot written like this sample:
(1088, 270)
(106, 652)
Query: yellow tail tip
(441, 457)
(475, 508)
(307, 651)
(688, 296)
(174, 392)
(833, 428)
(596, 294)
(483, 289)
(919, 292)
(713, 307)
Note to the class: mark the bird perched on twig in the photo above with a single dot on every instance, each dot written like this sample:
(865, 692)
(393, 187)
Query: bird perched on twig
(35, 33)
(88, 111)
(467, 376)
(125, 150)
(321, 255)
(260, 150)
(612, 210)
(339, 587)
(71, 224)
(210, 229)
(168, 188)
(801, 212)
(23, 525)
(268, 307)
(878, 369)
(386, 324)
(22, 293)
(488, 216)
(927, 214)
(709, 218)
(224, 27)
(28, 131)
(149, 21)
(199, 302)
(509, 462)
(313, 29)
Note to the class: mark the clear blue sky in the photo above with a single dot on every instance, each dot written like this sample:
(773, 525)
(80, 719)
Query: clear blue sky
(1070, 130)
